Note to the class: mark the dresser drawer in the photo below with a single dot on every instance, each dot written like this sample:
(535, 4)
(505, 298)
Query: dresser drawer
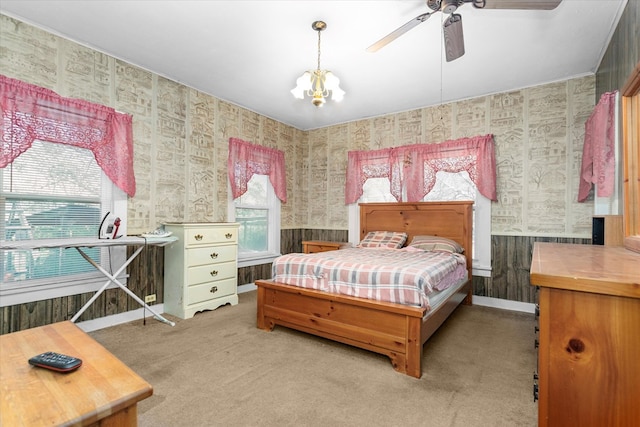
(211, 272)
(212, 290)
(209, 255)
(206, 236)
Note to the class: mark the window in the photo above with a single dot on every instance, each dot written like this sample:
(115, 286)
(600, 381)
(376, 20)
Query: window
(448, 187)
(257, 184)
(55, 191)
(258, 213)
(458, 186)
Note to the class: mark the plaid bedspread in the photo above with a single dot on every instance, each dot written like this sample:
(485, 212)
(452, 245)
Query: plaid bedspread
(401, 276)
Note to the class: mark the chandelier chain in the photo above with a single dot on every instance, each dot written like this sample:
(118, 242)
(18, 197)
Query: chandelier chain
(319, 32)
(441, 76)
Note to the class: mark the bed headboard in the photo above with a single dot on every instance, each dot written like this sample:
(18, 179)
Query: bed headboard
(453, 220)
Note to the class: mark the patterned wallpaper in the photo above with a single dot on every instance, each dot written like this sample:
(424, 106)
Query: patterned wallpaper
(538, 134)
(181, 137)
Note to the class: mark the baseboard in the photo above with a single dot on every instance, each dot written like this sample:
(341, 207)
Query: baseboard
(247, 288)
(504, 304)
(129, 316)
(117, 319)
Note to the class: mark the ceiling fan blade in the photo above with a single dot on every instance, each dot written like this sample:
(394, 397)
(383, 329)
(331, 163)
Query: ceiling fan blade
(398, 32)
(453, 37)
(518, 4)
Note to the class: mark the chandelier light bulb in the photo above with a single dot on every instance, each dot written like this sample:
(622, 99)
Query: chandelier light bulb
(303, 84)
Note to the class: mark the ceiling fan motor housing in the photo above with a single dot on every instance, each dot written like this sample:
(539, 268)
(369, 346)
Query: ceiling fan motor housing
(446, 6)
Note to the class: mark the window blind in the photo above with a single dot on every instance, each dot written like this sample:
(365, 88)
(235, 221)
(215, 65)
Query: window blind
(50, 191)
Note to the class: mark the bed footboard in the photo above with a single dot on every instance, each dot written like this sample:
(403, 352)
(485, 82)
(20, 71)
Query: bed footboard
(394, 330)
(385, 328)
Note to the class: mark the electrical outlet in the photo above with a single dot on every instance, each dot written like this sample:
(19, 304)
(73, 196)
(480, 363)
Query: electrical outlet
(150, 298)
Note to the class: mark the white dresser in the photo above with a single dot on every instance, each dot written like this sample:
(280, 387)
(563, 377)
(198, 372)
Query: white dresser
(200, 268)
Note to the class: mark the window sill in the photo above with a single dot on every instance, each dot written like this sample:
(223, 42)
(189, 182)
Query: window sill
(480, 270)
(256, 259)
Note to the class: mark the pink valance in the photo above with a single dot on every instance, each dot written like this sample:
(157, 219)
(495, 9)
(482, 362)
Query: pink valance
(598, 152)
(246, 159)
(414, 167)
(362, 165)
(30, 112)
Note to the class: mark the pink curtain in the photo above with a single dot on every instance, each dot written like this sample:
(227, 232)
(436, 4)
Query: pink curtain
(363, 165)
(475, 155)
(415, 166)
(598, 152)
(246, 159)
(30, 112)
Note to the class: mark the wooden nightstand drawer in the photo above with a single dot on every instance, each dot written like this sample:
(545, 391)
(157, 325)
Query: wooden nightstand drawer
(313, 246)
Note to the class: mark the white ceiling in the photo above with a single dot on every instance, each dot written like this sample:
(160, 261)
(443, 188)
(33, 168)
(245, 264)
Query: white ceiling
(251, 52)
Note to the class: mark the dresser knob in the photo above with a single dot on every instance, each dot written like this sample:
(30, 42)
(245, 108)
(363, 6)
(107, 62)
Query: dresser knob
(228, 235)
(198, 237)
(214, 272)
(214, 255)
(213, 289)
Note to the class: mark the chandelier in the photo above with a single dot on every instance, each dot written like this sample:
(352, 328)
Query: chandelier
(318, 84)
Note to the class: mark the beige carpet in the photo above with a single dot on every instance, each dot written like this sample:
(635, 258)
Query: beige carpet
(218, 369)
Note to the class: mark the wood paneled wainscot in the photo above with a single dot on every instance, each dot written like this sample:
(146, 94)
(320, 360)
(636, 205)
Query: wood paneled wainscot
(589, 342)
(201, 268)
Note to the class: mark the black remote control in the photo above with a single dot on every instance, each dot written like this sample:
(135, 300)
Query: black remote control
(56, 361)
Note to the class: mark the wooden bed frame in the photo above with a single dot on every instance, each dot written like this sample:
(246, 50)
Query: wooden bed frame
(396, 330)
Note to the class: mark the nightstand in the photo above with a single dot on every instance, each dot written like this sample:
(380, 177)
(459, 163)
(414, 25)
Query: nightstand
(313, 246)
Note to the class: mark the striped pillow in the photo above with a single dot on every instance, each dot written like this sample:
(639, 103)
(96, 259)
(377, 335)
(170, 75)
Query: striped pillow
(383, 239)
(436, 244)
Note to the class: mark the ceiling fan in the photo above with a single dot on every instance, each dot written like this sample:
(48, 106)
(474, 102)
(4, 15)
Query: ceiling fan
(452, 27)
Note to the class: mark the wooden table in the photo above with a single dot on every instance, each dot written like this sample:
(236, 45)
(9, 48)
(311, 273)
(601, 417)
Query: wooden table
(103, 391)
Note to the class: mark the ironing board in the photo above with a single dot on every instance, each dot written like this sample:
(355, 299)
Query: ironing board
(91, 242)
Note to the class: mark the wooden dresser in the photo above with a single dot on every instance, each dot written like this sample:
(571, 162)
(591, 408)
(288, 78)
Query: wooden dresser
(201, 268)
(589, 334)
